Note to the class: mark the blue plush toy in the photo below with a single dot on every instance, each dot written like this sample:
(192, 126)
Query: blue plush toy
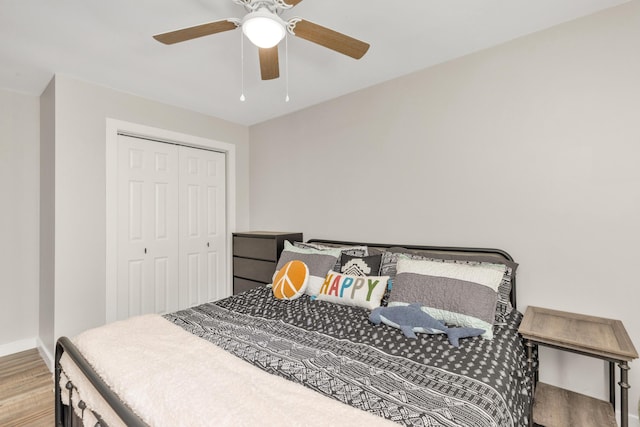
(411, 319)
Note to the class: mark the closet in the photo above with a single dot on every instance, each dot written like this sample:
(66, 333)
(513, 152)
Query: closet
(171, 246)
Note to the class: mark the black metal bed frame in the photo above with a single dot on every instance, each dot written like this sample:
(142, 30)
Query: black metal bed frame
(65, 416)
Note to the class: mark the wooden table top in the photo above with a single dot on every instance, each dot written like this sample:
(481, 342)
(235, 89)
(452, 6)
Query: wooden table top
(596, 336)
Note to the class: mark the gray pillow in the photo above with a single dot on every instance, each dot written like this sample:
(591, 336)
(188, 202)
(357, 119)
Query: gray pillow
(503, 305)
(460, 294)
(319, 262)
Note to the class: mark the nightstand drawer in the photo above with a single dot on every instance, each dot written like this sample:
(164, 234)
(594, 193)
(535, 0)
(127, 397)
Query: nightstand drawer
(254, 269)
(240, 285)
(255, 247)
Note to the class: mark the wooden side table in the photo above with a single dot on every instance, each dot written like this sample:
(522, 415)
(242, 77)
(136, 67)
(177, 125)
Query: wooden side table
(591, 336)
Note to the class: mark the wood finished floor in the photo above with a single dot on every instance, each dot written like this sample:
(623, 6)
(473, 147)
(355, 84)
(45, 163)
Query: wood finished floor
(26, 391)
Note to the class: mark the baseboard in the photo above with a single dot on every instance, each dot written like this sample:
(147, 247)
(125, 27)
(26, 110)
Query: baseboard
(17, 346)
(45, 354)
(634, 421)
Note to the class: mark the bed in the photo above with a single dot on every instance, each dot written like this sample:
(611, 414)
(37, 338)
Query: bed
(305, 361)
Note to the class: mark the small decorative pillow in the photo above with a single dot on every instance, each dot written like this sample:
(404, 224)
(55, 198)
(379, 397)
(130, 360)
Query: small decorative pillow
(291, 280)
(357, 291)
(360, 266)
(458, 294)
(319, 262)
(349, 250)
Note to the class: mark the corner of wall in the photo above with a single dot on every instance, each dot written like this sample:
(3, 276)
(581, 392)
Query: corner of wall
(47, 218)
(45, 354)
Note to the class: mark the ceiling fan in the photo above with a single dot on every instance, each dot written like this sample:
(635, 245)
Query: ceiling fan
(264, 27)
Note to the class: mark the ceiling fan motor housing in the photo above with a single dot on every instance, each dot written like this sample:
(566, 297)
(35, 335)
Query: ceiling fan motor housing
(264, 28)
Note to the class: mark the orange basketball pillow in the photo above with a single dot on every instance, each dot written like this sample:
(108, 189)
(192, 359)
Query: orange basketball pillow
(291, 281)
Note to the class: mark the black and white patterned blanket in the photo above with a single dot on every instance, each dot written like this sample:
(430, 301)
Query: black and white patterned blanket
(335, 350)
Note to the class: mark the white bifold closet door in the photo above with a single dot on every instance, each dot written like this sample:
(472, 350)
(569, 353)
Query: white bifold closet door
(171, 227)
(202, 226)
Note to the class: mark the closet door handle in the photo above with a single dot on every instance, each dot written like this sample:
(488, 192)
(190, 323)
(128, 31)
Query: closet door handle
(145, 250)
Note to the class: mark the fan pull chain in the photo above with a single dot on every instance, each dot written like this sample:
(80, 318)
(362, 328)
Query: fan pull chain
(242, 98)
(286, 66)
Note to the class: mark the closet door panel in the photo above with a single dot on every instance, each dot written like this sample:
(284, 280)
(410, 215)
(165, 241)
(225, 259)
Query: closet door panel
(202, 225)
(148, 237)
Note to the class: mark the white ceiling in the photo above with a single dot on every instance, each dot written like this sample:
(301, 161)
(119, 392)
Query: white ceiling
(109, 43)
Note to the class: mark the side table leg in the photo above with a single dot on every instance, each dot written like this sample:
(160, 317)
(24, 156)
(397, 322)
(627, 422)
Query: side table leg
(624, 394)
(612, 384)
(534, 378)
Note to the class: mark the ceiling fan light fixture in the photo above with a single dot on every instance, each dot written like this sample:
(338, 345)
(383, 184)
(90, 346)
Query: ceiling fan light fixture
(263, 28)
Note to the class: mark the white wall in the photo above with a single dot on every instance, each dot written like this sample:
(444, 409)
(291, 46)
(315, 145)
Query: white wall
(19, 201)
(531, 146)
(81, 110)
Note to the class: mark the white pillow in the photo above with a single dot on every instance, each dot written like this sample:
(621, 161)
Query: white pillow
(359, 291)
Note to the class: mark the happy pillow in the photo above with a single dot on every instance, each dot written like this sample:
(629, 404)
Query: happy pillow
(359, 291)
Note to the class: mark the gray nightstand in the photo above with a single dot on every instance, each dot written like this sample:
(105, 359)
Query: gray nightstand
(255, 255)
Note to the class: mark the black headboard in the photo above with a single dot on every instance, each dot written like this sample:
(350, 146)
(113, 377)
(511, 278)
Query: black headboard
(498, 254)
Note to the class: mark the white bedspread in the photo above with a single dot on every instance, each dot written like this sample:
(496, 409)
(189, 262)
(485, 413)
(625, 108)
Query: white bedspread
(172, 378)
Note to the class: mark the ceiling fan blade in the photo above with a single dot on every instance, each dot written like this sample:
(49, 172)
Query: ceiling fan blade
(292, 2)
(269, 66)
(329, 38)
(194, 32)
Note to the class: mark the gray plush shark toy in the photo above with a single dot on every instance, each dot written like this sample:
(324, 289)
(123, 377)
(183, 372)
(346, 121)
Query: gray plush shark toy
(411, 319)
